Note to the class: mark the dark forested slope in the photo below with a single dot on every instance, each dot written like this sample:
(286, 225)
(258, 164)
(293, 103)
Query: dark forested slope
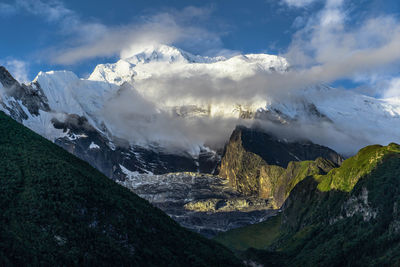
(55, 209)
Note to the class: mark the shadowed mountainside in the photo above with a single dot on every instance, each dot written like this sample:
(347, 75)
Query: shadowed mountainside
(257, 163)
(58, 210)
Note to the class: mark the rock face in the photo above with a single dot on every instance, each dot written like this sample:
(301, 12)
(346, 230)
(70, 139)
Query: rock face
(203, 203)
(21, 100)
(84, 141)
(257, 173)
(258, 164)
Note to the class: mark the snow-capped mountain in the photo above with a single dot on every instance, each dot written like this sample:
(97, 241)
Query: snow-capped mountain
(130, 122)
(165, 59)
(118, 116)
(157, 64)
(67, 111)
(341, 119)
(326, 115)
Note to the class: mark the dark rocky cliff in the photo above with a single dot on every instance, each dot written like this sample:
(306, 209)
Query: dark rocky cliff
(257, 163)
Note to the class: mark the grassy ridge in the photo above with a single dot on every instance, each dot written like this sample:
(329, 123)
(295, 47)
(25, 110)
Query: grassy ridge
(58, 210)
(352, 169)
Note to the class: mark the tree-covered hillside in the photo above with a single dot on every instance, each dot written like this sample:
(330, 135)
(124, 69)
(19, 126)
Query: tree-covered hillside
(55, 209)
(348, 217)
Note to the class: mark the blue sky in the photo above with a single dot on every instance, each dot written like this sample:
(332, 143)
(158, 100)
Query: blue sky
(263, 26)
(77, 35)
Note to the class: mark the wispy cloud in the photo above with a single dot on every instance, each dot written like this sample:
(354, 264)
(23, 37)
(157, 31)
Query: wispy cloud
(50, 10)
(85, 39)
(7, 9)
(174, 27)
(18, 68)
(393, 88)
(299, 3)
(161, 28)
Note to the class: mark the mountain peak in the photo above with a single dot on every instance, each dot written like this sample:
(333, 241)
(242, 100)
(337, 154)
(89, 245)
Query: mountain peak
(59, 74)
(137, 64)
(166, 53)
(6, 79)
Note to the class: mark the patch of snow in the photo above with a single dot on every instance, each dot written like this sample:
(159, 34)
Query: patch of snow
(94, 146)
(73, 136)
(130, 174)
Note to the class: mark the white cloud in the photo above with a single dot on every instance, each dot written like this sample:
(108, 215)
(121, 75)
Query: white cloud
(174, 27)
(17, 68)
(298, 3)
(331, 17)
(89, 39)
(393, 88)
(123, 40)
(328, 49)
(134, 118)
(299, 22)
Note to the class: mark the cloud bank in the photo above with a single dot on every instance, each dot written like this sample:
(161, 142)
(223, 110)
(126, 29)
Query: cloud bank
(133, 118)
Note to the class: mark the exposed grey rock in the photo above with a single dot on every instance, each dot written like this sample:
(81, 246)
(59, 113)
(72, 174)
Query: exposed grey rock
(31, 97)
(203, 203)
(110, 153)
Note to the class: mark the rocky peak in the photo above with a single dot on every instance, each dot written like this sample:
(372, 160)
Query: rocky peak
(280, 152)
(258, 163)
(31, 96)
(6, 79)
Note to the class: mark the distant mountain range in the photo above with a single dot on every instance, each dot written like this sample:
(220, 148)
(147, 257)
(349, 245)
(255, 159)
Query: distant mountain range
(124, 124)
(116, 111)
